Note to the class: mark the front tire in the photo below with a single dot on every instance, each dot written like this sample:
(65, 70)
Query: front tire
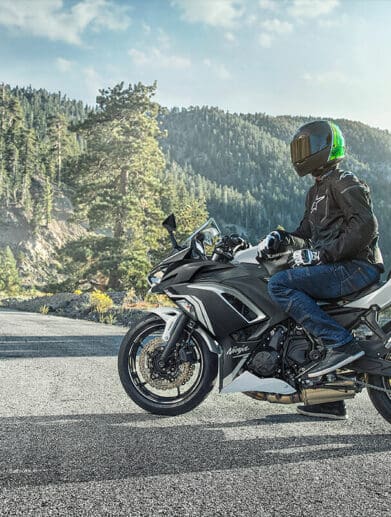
(142, 383)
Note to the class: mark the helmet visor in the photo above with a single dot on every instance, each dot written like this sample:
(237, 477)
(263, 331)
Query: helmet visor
(306, 143)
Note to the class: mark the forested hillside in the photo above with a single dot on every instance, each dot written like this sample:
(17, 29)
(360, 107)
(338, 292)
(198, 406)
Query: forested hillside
(82, 190)
(241, 164)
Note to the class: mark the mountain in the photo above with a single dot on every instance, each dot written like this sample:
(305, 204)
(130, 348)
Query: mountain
(241, 163)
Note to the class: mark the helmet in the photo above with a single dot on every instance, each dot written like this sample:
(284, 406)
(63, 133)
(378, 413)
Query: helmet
(316, 147)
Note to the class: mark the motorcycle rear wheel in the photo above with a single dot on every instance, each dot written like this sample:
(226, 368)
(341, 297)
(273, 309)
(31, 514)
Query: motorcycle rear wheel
(380, 399)
(137, 378)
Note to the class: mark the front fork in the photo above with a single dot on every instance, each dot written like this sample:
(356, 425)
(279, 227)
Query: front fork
(171, 335)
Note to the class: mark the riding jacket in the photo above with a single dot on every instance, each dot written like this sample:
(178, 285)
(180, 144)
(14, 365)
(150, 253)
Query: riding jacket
(339, 219)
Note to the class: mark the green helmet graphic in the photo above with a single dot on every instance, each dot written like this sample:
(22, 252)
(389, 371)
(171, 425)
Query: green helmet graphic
(316, 147)
(337, 151)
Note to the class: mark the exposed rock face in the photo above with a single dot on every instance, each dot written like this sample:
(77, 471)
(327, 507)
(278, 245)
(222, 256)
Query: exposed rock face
(36, 252)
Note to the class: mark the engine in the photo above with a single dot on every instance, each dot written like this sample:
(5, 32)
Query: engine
(269, 357)
(266, 361)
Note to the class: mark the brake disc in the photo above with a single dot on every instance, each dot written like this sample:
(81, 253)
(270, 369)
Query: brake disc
(177, 376)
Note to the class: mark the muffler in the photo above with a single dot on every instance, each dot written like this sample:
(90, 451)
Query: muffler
(329, 392)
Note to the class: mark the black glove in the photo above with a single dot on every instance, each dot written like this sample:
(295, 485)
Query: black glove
(272, 242)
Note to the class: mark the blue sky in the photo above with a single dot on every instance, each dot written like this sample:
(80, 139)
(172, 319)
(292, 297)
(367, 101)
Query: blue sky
(305, 57)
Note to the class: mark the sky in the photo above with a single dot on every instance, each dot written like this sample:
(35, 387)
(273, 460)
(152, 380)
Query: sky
(328, 58)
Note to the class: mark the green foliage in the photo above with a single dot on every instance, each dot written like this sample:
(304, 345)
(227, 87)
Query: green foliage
(127, 165)
(101, 302)
(9, 276)
(123, 189)
(36, 148)
(44, 309)
(241, 164)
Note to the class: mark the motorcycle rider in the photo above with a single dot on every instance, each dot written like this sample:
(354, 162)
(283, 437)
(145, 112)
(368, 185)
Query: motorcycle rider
(337, 250)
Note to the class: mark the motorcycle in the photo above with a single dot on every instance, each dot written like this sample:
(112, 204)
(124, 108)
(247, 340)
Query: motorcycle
(223, 325)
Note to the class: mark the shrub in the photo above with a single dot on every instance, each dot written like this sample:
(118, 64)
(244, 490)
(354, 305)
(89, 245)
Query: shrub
(44, 309)
(100, 302)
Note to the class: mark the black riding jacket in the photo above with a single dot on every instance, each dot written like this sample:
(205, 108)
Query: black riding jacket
(339, 219)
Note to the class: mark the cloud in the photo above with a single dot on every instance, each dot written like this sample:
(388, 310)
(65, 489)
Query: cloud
(265, 40)
(229, 36)
(220, 70)
(163, 38)
(276, 26)
(156, 58)
(146, 28)
(53, 20)
(223, 73)
(268, 4)
(312, 8)
(218, 13)
(325, 78)
(330, 23)
(64, 65)
(271, 28)
(93, 81)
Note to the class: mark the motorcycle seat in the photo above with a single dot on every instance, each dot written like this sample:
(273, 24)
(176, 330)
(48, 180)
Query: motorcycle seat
(354, 296)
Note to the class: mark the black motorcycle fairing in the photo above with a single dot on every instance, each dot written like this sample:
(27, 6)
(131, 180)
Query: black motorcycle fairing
(222, 318)
(248, 279)
(233, 358)
(188, 269)
(345, 316)
(184, 271)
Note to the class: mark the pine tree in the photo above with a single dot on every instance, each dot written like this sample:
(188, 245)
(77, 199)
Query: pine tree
(9, 276)
(119, 183)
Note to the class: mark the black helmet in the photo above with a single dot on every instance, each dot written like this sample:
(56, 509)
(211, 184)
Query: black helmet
(317, 146)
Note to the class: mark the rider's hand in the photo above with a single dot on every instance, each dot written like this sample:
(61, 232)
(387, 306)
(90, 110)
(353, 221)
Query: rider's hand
(304, 257)
(270, 243)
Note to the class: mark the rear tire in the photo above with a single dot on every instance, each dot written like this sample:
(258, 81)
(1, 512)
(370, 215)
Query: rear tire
(381, 400)
(138, 391)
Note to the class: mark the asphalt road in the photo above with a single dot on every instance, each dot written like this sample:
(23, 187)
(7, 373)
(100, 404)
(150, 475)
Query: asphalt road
(72, 443)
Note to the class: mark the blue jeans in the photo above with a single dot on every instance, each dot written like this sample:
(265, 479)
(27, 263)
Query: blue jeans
(295, 291)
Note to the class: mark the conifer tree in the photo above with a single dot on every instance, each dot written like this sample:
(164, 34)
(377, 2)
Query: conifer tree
(9, 276)
(119, 179)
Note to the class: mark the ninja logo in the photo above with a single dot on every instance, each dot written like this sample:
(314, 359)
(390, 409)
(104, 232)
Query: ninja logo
(239, 350)
(317, 200)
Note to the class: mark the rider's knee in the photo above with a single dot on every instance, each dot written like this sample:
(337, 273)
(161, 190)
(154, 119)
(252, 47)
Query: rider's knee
(278, 283)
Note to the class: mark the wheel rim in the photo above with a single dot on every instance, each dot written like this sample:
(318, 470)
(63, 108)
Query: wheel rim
(144, 385)
(386, 381)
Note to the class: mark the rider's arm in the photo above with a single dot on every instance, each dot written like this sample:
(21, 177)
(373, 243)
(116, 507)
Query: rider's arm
(353, 197)
(303, 231)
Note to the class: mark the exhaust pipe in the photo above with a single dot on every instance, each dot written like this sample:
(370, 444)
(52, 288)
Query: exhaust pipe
(329, 392)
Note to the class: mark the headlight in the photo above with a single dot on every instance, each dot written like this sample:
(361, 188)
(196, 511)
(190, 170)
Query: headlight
(156, 277)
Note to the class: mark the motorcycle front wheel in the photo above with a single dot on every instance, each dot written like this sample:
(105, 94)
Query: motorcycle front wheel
(181, 385)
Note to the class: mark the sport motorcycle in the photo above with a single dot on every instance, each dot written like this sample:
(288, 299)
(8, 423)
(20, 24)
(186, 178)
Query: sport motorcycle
(223, 326)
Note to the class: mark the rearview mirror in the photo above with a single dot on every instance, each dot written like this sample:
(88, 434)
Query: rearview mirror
(169, 223)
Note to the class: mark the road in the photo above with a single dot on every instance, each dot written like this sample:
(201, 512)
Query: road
(72, 443)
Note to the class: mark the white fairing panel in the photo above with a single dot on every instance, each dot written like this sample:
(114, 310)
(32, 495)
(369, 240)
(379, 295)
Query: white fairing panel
(250, 382)
(247, 256)
(381, 297)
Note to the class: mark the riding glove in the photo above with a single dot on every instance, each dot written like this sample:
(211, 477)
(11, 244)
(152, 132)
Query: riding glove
(270, 243)
(305, 257)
